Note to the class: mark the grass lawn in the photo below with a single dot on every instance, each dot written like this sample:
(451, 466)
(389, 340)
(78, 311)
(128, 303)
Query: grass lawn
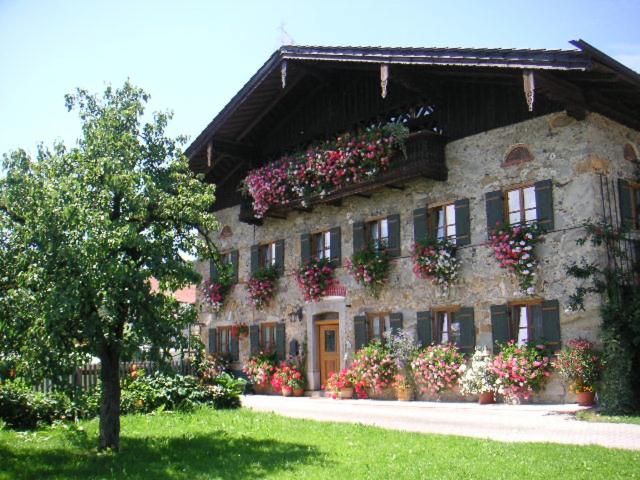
(243, 444)
(593, 416)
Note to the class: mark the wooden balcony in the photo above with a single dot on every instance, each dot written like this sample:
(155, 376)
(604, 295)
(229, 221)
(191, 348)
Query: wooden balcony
(424, 158)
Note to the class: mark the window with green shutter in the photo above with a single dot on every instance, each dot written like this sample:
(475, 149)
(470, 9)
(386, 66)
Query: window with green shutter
(537, 321)
(384, 233)
(423, 327)
(629, 199)
(360, 331)
(213, 344)
(231, 258)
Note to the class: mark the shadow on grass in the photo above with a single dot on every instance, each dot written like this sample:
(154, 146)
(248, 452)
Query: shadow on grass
(214, 455)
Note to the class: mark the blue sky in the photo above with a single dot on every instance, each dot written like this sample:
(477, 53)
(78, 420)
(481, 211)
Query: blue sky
(192, 56)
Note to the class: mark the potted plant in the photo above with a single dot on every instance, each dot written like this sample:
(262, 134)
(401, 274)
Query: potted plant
(404, 387)
(438, 368)
(314, 277)
(370, 268)
(259, 370)
(580, 365)
(374, 368)
(521, 370)
(340, 384)
(289, 380)
(261, 286)
(403, 348)
(239, 330)
(435, 261)
(479, 378)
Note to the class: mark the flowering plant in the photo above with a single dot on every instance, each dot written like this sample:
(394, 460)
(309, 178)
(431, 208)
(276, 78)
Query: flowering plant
(287, 375)
(212, 367)
(337, 381)
(521, 369)
(370, 268)
(314, 278)
(480, 376)
(239, 330)
(215, 291)
(513, 247)
(323, 167)
(373, 367)
(580, 365)
(260, 368)
(435, 260)
(261, 286)
(438, 368)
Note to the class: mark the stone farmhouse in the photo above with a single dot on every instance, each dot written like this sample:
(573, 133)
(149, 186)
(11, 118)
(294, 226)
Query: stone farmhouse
(496, 136)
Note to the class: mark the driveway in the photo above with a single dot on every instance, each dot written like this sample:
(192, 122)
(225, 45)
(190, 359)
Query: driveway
(508, 423)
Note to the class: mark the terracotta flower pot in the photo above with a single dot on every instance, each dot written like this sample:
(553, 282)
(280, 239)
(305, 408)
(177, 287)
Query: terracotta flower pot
(404, 394)
(586, 399)
(287, 391)
(486, 398)
(264, 389)
(298, 392)
(345, 393)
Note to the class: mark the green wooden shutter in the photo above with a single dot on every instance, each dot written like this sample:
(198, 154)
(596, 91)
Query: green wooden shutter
(419, 224)
(255, 258)
(280, 256)
(625, 194)
(234, 261)
(464, 317)
(499, 325)
(424, 329)
(358, 237)
(254, 339)
(234, 348)
(336, 246)
(551, 323)
(544, 205)
(280, 341)
(395, 322)
(360, 330)
(393, 224)
(213, 271)
(463, 222)
(495, 212)
(305, 248)
(213, 344)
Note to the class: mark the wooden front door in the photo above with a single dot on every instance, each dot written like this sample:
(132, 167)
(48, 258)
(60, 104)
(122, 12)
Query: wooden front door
(329, 349)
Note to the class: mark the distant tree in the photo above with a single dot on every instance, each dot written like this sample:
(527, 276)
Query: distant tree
(84, 229)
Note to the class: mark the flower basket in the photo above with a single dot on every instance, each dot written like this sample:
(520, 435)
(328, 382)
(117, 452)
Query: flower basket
(239, 330)
(314, 278)
(298, 392)
(486, 398)
(345, 393)
(370, 268)
(586, 399)
(214, 294)
(404, 394)
(513, 247)
(261, 287)
(435, 261)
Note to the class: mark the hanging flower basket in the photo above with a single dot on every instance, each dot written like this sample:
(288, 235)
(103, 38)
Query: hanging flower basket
(314, 278)
(513, 247)
(370, 268)
(262, 286)
(435, 260)
(323, 167)
(239, 330)
(214, 294)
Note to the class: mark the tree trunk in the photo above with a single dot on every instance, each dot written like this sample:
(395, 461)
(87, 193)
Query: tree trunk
(110, 401)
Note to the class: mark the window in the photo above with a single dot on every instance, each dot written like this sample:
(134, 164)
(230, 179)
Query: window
(442, 221)
(377, 325)
(267, 255)
(521, 325)
(224, 340)
(635, 205)
(445, 328)
(378, 233)
(268, 336)
(521, 205)
(321, 245)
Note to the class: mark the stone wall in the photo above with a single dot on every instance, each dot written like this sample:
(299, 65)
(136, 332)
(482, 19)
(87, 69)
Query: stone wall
(569, 152)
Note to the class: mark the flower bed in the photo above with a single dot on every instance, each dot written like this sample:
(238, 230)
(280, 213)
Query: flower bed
(438, 368)
(513, 247)
(260, 368)
(580, 365)
(314, 278)
(521, 369)
(373, 368)
(262, 286)
(370, 268)
(323, 167)
(435, 260)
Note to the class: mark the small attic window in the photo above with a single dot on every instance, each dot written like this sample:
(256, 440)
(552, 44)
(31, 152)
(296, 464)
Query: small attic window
(630, 153)
(516, 155)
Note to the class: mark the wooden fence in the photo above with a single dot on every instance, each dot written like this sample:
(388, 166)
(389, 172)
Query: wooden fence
(87, 377)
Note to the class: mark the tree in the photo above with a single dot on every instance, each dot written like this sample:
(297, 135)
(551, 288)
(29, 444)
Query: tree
(84, 229)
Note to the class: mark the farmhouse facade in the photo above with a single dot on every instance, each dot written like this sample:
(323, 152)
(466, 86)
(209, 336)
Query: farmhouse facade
(495, 137)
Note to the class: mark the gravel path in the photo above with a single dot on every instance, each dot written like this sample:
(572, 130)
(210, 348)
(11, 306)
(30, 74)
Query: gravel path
(509, 423)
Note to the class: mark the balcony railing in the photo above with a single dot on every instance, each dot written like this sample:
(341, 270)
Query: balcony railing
(424, 158)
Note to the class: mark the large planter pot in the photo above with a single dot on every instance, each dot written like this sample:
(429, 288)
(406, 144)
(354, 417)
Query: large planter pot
(264, 389)
(345, 393)
(586, 399)
(404, 394)
(298, 392)
(486, 398)
(287, 391)
(381, 393)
